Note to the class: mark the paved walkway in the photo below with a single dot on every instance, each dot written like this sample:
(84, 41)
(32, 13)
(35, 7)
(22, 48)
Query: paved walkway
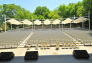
(23, 43)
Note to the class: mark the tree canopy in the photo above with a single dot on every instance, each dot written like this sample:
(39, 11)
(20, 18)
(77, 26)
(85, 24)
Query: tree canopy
(81, 8)
(42, 12)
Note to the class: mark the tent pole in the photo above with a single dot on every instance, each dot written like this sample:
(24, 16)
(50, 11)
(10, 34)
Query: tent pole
(70, 25)
(62, 27)
(82, 25)
(34, 26)
(11, 26)
(59, 25)
(42, 25)
(51, 25)
(23, 26)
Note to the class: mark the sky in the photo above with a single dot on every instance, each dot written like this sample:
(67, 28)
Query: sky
(32, 4)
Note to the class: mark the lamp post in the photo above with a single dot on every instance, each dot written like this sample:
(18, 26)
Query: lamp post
(3, 7)
(5, 22)
(89, 19)
(32, 24)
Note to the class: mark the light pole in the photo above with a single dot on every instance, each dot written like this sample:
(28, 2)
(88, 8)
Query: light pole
(4, 16)
(32, 24)
(5, 22)
(89, 19)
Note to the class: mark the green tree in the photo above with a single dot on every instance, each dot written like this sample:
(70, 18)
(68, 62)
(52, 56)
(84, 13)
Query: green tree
(1, 16)
(15, 11)
(62, 10)
(71, 10)
(80, 9)
(87, 5)
(42, 12)
(54, 15)
(88, 9)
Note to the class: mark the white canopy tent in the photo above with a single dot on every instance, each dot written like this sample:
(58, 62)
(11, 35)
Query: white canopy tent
(26, 22)
(67, 21)
(57, 21)
(37, 22)
(47, 22)
(80, 19)
(13, 21)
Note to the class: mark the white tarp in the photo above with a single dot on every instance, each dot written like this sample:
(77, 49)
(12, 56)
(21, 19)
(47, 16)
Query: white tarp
(47, 22)
(57, 21)
(13, 21)
(80, 19)
(26, 22)
(37, 22)
(68, 20)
